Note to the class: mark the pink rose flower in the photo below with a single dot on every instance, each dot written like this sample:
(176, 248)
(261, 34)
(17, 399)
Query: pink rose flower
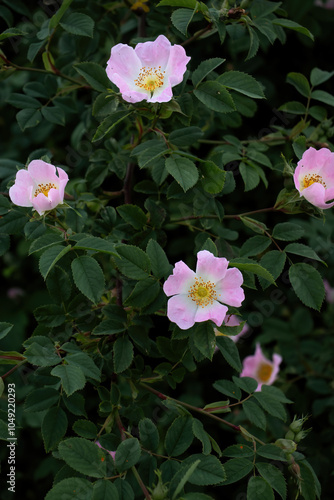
(260, 368)
(112, 453)
(329, 292)
(314, 177)
(200, 296)
(329, 4)
(39, 186)
(149, 71)
(233, 320)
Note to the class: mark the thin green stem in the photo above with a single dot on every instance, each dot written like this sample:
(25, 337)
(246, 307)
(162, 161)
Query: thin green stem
(140, 482)
(190, 407)
(12, 370)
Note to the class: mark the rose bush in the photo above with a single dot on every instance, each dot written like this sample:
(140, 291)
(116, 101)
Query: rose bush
(166, 186)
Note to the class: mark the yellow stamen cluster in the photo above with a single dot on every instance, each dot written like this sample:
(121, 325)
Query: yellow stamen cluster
(310, 179)
(264, 372)
(150, 78)
(202, 292)
(44, 188)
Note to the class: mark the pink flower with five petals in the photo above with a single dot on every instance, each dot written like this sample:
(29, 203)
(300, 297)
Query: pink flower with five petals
(201, 296)
(149, 71)
(39, 186)
(314, 177)
(260, 368)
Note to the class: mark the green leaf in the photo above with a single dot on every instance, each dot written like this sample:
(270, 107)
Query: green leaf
(78, 24)
(300, 82)
(59, 284)
(209, 471)
(41, 399)
(273, 261)
(75, 404)
(23, 101)
(319, 76)
(271, 405)
(186, 473)
(239, 451)
(123, 354)
(4, 244)
(11, 32)
(127, 454)
(144, 293)
(71, 488)
(5, 328)
(190, 4)
(200, 434)
(133, 215)
(247, 384)
(288, 231)
(303, 250)
(254, 42)
(322, 96)
(179, 436)
(45, 241)
(149, 435)
(272, 452)
(88, 277)
(205, 68)
(85, 429)
(109, 327)
(94, 74)
(50, 257)
(54, 114)
(311, 487)
(83, 456)
(55, 19)
(83, 361)
(204, 339)
(254, 246)
(96, 244)
(125, 492)
(249, 175)
(71, 376)
(13, 222)
(254, 414)
(259, 489)
(54, 427)
(105, 490)
(293, 107)
(252, 267)
(213, 177)
(236, 469)
(215, 96)
(185, 136)
(41, 351)
(110, 123)
(159, 261)
(274, 477)
(243, 83)
(133, 262)
(50, 314)
(230, 352)
(183, 170)
(29, 117)
(292, 25)
(181, 19)
(228, 388)
(307, 284)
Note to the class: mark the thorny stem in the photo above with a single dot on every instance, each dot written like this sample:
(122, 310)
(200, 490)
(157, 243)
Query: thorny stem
(39, 70)
(193, 408)
(236, 216)
(12, 370)
(196, 35)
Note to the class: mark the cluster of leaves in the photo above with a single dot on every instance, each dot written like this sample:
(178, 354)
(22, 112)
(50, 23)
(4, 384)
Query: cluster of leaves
(151, 185)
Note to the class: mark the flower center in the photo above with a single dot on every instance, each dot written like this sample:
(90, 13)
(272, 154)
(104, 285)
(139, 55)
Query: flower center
(264, 372)
(310, 179)
(150, 78)
(44, 189)
(202, 292)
